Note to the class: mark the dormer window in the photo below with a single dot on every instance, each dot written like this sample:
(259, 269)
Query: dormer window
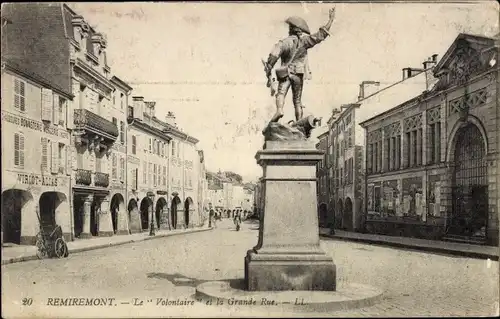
(78, 35)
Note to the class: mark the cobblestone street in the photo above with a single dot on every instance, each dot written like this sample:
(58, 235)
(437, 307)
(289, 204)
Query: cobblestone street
(415, 283)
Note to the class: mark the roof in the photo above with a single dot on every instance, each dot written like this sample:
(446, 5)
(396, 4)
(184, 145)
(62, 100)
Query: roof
(30, 74)
(36, 40)
(395, 94)
(462, 36)
(121, 83)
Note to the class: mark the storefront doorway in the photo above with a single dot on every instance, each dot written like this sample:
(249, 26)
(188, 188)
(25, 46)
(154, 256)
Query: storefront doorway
(14, 201)
(470, 185)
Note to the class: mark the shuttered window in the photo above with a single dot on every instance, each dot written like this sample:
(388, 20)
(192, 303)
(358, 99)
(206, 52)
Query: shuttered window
(69, 159)
(19, 94)
(19, 150)
(159, 175)
(150, 172)
(45, 154)
(122, 169)
(55, 157)
(134, 145)
(145, 173)
(61, 158)
(114, 167)
(47, 105)
(154, 174)
(164, 176)
(55, 109)
(122, 132)
(150, 145)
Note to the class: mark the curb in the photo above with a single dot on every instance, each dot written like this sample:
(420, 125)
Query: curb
(469, 254)
(79, 250)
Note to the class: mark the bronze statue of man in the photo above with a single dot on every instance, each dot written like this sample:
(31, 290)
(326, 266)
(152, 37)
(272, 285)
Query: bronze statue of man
(293, 54)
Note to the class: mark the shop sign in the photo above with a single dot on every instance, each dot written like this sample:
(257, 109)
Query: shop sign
(38, 180)
(32, 124)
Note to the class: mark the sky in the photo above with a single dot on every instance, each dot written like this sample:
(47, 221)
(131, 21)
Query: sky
(202, 61)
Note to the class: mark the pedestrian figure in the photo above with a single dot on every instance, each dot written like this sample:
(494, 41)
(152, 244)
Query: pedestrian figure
(210, 217)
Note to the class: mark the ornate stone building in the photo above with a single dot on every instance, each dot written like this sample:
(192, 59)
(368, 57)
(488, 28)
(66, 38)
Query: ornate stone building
(36, 168)
(61, 102)
(164, 168)
(432, 161)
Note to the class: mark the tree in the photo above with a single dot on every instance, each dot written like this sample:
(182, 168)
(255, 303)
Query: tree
(234, 176)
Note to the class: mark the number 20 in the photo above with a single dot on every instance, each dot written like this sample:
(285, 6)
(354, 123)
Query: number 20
(27, 301)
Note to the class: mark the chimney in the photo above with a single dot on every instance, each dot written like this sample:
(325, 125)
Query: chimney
(406, 73)
(367, 88)
(170, 118)
(431, 62)
(430, 80)
(150, 108)
(138, 104)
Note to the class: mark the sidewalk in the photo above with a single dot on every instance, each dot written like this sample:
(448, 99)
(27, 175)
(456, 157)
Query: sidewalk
(459, 249)
(19, 253)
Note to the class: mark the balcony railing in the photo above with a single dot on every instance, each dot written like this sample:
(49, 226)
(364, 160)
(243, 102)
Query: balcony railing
(85, 119)
(83, 177)
(101, 179)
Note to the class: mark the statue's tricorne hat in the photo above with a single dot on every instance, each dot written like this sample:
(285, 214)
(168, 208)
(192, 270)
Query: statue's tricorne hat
(299, 23)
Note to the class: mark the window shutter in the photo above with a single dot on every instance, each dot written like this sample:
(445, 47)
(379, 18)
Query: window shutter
(47, 105)
(44, 154)
(55, 108)
(69, 114)
(16, 149)
(69, 159)
(21, 150)
(55, 159)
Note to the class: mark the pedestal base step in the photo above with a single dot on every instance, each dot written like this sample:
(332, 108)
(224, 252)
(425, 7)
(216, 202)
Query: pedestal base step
(234, 295)
(282, 272)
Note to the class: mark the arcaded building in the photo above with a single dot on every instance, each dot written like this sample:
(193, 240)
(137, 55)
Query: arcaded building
(432, 161)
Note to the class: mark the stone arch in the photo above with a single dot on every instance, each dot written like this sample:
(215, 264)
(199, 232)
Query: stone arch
(53, 209)
(145, 209)
(469, 183)
(117, 208)
(176, 201)
(161, 209)
(452, 141)
(133, 215)
(15, 206)
(188, 206)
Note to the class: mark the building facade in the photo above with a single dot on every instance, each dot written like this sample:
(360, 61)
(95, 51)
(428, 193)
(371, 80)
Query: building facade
(322, 180)
(432, 161)
(61, 100)
(346, 147)
(36, 176)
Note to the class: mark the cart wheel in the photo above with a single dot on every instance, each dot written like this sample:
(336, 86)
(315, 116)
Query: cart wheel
(59, 248)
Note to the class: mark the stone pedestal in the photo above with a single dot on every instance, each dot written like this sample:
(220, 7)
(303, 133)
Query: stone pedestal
(288, 255)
